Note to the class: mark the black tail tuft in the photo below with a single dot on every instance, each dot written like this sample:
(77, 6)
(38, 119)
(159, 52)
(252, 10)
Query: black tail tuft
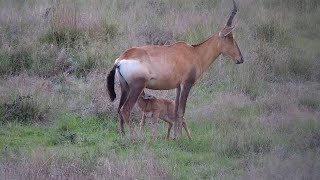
(110, 83)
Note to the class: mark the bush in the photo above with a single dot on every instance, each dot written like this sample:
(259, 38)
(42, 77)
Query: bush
(312, 101)
(45, 61)
(305, 135)
(23, 109)
(294, 67)
(110, 31)
(82, 62)
(15, 60)
(300, 67)
(64, 37)
(271, 32)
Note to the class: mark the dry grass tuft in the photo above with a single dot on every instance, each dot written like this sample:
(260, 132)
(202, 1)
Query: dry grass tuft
(43, 165)
(46, 165)
(279, 165)
(144, 166)
(287, 103)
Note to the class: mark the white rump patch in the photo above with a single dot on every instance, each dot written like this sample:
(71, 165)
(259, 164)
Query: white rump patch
(130, 69)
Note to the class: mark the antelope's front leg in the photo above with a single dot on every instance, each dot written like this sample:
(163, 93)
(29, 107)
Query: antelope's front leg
(181, 108)
(175, 132)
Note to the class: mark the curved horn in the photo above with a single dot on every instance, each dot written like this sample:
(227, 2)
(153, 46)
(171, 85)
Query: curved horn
(233, 13)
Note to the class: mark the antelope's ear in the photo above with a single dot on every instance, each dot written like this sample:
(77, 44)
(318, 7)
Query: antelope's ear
(226, 31)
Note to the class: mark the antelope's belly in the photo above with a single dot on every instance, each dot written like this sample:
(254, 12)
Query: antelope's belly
(157, 78)
(158, 84)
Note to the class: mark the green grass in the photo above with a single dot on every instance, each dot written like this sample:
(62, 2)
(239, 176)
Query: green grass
(85, 132)
(212, 151)
(17, 136)
(257, 119)
(217, 149)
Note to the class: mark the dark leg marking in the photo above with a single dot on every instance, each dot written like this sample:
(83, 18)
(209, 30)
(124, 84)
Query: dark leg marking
(124, 95)
(186, 87)
(178, 91)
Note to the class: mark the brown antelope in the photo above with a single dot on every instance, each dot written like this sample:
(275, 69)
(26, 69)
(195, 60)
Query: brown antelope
(175, 66)
(155, 108)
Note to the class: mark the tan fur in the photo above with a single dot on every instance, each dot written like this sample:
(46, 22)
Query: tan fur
(175, 66)
(155, 108)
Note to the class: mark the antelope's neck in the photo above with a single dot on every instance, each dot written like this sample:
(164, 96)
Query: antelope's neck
(208, 51)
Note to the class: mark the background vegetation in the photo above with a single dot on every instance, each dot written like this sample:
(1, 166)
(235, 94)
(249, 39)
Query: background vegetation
(258, 120)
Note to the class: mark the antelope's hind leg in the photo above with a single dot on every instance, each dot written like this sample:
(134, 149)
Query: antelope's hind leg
(124, 95)
(176, 107)
(125, 111)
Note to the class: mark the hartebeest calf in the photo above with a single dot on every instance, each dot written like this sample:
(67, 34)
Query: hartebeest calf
(155, 108)
(175, 66)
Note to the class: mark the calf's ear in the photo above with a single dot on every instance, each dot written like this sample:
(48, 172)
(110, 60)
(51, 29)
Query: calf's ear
(148, 96)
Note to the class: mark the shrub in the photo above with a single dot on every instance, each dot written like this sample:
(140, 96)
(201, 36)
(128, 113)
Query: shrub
(305, 135)
(295, 67)
(311, 101)
(45, 61)
(82, 62)
(110, 31)
(300, 67)
(63, 138)
(15, 60)
(65, 130)
(271, 32)
(23, 109)
(64, 37)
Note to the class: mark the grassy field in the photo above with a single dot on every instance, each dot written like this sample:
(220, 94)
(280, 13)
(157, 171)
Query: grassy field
(257, 120)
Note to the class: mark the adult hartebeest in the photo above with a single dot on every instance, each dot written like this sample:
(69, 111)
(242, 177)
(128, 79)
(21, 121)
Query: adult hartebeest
(175, 66)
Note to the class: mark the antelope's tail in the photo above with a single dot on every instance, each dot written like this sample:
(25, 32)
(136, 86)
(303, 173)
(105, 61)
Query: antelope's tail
(110, 83)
